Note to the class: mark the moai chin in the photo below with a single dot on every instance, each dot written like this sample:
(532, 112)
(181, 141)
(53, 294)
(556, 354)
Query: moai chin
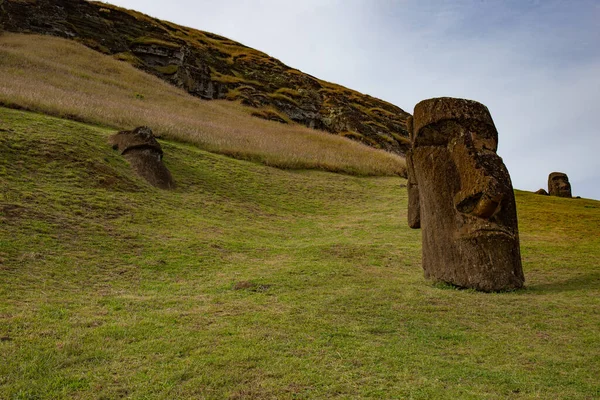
(465, 200)
(558, 185)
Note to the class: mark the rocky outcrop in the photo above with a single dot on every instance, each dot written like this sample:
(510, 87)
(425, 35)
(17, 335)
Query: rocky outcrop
(2, 15)
(213, 67)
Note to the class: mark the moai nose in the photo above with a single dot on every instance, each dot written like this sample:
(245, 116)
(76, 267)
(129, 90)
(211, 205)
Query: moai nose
(482, 204)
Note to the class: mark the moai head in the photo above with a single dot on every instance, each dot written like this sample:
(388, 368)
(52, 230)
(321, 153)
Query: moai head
(464, 198)
(144, 154)
(558, 185)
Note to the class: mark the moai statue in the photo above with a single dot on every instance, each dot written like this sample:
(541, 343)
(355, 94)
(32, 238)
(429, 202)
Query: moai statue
(465, 199)
(144, 154)
(558, 185)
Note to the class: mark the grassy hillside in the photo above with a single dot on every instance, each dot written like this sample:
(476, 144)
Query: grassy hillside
(253, 282)
(66, 79)
(213, 67)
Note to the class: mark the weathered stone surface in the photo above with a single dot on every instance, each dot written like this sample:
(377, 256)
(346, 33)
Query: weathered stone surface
(144, 154)
(558, 185)
(465, 197)
(414, 211)
(210, 66)
(142, 136)
(542, 192)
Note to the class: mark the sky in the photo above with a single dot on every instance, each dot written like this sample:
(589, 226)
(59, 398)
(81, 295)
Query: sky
(534, 63)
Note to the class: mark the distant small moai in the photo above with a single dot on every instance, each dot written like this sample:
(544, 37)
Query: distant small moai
(145, 154)
(461, 196)
(558, 185)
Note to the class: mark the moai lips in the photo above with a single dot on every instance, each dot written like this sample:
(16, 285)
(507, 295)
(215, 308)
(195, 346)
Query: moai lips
(558, 185)
(465, 197)
(144, 154)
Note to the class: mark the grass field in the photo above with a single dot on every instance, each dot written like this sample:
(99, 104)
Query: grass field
(251, 282)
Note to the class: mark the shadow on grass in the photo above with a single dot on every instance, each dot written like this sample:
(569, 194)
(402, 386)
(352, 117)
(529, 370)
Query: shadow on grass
(579, 282)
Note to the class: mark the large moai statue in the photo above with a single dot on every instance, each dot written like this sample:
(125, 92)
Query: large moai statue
(144, 154)
(464, 197)
(558, 185)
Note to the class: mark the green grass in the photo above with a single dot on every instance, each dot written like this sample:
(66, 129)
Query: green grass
(253, 282)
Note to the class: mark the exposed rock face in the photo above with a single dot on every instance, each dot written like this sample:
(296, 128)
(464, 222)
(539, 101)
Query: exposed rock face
(558, 185)
(144, 154)
(542, 192)
(2, 15)
(465, 197)
(213, 67)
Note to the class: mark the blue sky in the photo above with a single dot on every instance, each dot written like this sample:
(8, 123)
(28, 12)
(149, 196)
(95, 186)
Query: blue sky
(534, 63)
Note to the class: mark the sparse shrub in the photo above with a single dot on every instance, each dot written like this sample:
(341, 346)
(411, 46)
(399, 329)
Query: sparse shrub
(284, 98)
(381, 111)
(272, 115)
(149, 41)
(292, 93)
(222, 78)
(400, 138)
(168, 69)
(387, 138)
(128, 57)
(376, 124)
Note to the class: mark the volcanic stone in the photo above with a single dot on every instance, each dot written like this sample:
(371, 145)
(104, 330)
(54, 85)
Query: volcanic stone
(558, 185)
(145, 154)
(465, 197)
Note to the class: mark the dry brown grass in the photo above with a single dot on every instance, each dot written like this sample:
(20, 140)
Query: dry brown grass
(66, 79)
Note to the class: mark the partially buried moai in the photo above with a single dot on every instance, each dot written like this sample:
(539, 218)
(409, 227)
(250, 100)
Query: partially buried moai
(144, 153)
(462, 197)
(558, 185)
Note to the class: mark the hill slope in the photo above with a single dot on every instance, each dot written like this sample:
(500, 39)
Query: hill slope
(213, 67)
(253, 282)
(64, 78)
